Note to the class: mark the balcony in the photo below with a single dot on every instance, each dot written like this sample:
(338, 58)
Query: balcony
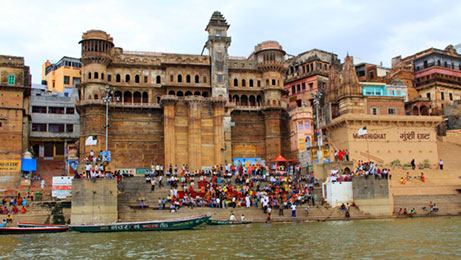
(118, 104)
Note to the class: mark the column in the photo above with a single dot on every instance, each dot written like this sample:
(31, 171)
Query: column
(272, 118)
(169, 130)
(194, 132)
(218, 114)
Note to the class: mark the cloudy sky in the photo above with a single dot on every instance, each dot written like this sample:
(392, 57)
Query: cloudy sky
(373, 30)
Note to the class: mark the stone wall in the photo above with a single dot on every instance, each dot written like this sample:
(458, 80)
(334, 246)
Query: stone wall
(322, 171)
(94, 202)
(372, 196)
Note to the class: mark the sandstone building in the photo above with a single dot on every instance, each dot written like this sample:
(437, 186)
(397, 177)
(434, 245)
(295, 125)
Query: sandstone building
(64, 73)
(177, 109)
(14, 117)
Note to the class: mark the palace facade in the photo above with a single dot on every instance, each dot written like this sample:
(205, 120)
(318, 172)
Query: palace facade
(175, 109)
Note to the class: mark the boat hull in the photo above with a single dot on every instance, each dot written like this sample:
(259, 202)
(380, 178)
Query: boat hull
(226, 222)
(173, 224)
(22, 224)
(31, 230)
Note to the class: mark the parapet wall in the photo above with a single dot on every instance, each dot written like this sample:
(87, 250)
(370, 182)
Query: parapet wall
(94, 202)
(322, 171)
(372, 195)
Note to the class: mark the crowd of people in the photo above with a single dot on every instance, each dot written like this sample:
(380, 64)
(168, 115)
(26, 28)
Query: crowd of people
(14, 205)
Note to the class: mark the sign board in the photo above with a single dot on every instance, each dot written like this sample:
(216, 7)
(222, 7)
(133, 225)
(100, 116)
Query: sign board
(248, 161)
(61, 187)
(106, 156)
(129, 171)
(10, 165)
(142, 171)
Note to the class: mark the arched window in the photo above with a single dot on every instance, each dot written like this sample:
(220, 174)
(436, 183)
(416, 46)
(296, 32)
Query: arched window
(89, 75)
(251, 83)
(158, 80)
(205, 94)
(127, 97)
(188, 79)
(137, 97)
(244, 101)
(117, 78)
(95, 96)
(179, 78)
(118, 96)
(236, 83)
(259, 101)
(188, 93)
(236, 99)
(102, 75)
(252, 101)
(158, 100)
(136, 78)
(197, 79)
(273, 82)
(243, 83)
(197, 93)
(259, 83)
(267, 82)
(145, 98)
(96, 75)
(204, 79)
(171, 92)
(127, 78)
(179, 94)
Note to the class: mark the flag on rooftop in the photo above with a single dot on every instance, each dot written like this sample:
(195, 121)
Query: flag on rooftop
(362, 131)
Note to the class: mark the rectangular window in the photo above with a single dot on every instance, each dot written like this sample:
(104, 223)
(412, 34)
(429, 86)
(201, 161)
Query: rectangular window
(311, 86)
(56, 128)
(76, 80)
(56, 110)
(38, 109)
(300, 125)
(428, 95)
(66, 80)
(293, 90)
(38, 127)
(220, 78)
(442, 95)
(70, 110)
(11, 80)
(374, 111)
(259, 83)
(372, 75)
(451, 96)
(109, 77)
(298, 87)
(304, 86)
(306, 125)
(391, 111)
(69, 128)
(145, 79)
(218, 32)
(219, 56)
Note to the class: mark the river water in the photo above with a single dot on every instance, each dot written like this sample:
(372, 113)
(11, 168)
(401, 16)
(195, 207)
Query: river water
(410, 238)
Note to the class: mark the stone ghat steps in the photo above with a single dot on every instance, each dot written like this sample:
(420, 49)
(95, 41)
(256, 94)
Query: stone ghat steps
(449, 153)
(253, 214)
(447, 204)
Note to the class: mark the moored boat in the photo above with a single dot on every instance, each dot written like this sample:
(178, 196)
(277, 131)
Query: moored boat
(157, 225)
(226, 222)
(31, 230)
(24, 224)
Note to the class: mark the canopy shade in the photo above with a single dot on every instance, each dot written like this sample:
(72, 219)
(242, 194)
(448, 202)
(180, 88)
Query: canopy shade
(28, 165)
(280, 158)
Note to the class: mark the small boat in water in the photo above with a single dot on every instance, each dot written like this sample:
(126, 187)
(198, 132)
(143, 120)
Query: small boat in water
(226, 222)
(157, 225)
(24, 224)
(31, 230)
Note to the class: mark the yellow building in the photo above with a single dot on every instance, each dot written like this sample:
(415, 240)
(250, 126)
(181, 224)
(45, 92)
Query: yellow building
(64, 73)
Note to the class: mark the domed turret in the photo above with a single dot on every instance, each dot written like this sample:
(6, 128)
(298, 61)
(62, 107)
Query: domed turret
(96, 47)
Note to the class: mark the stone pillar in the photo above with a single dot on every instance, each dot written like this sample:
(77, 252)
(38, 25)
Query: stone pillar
(272, 119)
(169, 103)
(218, 114)
(194, 132)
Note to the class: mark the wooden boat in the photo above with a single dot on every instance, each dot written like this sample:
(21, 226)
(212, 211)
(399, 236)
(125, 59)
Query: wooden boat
(31, 230)
(226, 222)
(24, 224)
(158, 225)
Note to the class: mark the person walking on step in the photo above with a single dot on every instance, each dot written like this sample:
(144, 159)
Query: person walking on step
(441, 164)
(152, 184)
(413, 164)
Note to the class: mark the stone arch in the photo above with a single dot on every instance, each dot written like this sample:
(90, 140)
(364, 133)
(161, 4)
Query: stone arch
(179, 78)
(251, 83)
(102, 76)
(158, 80)
(274, 102)
(267, 82)
(136, 79)
(118, 78)
(187, 78)
(179, 94)
(244, 100)
(197, 93)
(158, 99)
(236, 99)
(96, 96)
(244, 83)
(171, 92)
(96, 75)
(118, 96)
(236, 82)
(127, 78)
(197, 79)
(188, 93)
(136, 97)
(415, 111)
(424, 110)
(127, 97)
(259, 100)
(89, 75)
(273, 82)
(204, 94)
(145, 97)
(252, 101)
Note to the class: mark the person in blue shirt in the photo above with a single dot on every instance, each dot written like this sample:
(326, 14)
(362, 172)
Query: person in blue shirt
(3, 223)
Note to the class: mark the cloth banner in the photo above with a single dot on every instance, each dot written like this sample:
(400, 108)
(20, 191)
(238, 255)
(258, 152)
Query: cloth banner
(29, 165)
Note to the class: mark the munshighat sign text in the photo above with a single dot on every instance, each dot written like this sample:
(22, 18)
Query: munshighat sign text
(405, 136)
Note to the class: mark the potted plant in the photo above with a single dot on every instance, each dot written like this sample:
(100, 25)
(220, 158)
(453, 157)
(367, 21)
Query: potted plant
(421, 166)
(395, 163)
(406, 166)
(426, 164)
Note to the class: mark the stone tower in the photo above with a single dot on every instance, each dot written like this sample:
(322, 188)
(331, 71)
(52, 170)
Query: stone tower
(349, 95)
(217, 45)
(97, 48)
